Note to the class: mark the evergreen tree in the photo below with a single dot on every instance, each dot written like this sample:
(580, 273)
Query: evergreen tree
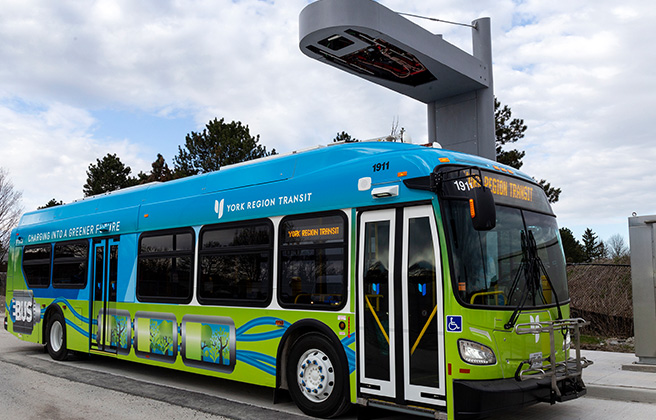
(573, 249)
(553, 194)
(602, 251)
(106, 175)
(509, 130)
(592, 247)
(160, 172)
(219, 144)
(51, 203)
(344, 137)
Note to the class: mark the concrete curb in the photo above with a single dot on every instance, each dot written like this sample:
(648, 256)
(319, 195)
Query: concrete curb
(639, 367)
(622, 393)
(617, 376)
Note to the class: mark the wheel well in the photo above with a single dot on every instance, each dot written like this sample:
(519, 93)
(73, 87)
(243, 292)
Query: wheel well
(52, 309)
(291, 336)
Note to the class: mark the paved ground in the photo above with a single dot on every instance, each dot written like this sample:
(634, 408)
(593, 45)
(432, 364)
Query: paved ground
(29, 394)
(610, 378)
(102, 383)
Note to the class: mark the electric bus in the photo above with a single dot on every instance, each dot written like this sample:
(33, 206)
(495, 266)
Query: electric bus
(374, 273)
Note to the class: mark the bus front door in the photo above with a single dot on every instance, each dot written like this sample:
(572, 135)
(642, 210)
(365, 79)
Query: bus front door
(104, 323)
(400, 327)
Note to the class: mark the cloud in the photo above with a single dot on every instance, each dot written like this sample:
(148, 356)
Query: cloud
(579, 77)
(578, 74)
(47, 151)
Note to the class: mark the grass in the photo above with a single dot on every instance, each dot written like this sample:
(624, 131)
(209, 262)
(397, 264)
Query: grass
(593, 342)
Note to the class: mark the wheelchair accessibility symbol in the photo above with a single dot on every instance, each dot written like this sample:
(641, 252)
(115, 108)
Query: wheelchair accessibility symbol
(454, 323)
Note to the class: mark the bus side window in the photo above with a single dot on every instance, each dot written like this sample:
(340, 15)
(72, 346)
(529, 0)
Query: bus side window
(165, 266)
(36, 265)
(69, 267)
(313, 261)
(235, 263)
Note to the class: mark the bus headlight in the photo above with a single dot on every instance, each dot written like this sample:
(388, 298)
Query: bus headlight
(475, 353)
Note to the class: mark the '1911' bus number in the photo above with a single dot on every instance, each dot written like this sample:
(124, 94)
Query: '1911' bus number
(381, 166)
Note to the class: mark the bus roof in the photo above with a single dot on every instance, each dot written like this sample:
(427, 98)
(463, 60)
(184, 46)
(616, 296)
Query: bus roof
(315, 180)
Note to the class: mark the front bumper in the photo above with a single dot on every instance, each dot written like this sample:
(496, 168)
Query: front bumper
(543, 380)
(477, 399)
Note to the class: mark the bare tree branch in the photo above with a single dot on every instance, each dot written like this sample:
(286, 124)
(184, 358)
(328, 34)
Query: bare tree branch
(10, 211)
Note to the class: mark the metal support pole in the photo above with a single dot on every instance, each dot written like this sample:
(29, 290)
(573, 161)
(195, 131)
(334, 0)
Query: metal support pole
(482, 48)
(432, 123)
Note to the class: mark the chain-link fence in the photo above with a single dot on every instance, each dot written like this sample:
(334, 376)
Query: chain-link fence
(602, 294)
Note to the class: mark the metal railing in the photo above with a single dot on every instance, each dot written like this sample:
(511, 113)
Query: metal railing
(569, 371)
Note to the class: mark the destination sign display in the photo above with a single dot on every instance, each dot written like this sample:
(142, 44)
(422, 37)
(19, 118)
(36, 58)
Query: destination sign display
(507, 190)
(510, 188)
(313, 229)
(314, 233)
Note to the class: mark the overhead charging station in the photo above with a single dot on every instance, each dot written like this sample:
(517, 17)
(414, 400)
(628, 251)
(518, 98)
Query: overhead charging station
(366, 39)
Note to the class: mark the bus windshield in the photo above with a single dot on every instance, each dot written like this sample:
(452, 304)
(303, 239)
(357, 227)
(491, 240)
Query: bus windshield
(489, 268)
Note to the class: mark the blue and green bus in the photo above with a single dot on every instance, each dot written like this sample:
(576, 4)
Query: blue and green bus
(373, 273)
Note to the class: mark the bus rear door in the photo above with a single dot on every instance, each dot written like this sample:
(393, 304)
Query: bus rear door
(103, 324)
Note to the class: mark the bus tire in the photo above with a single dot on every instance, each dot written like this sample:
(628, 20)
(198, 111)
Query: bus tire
(56, 336)
(317, 378)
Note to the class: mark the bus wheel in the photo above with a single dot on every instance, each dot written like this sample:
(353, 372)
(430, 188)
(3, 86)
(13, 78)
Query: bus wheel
(56, 336)
(316, 377)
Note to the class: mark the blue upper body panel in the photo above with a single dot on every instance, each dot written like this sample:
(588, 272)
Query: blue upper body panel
(316, 180)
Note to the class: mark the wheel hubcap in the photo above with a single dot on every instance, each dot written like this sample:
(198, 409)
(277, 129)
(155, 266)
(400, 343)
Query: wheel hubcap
(56, 336)
(315, 375)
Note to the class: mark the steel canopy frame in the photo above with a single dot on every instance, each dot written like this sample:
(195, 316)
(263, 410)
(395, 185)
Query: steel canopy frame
(377, 44)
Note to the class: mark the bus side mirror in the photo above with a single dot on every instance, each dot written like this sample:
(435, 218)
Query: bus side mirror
(482, 209)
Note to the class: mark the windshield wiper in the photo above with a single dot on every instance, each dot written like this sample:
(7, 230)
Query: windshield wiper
(532, 267)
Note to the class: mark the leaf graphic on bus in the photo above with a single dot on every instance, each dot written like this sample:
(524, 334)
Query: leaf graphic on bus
(161, 337)
(214, 344)
(119, 336)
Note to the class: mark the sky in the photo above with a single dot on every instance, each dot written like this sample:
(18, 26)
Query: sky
(79, 80)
